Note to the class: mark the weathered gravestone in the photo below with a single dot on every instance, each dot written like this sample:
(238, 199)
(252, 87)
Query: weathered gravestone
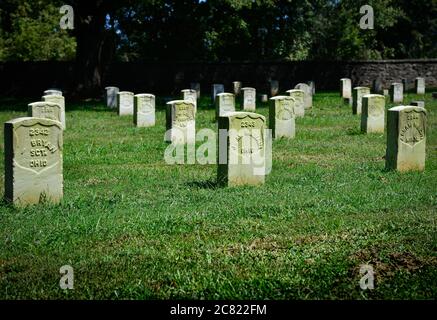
(358, 94)
(111, 97)
(33, 161)
(45, 110)
(249, 99)
(196, 86)
(52, 92)
(346, 90)
(281, 117)
(396, 93)
(274, 87)
(373, 114)
(418, 103)
(237, 87)
(406, 138)
(61, 101)
(419, 84)
(225, 103)
(377, 86)
(216, 89)
(180, 122)
(125, 103)
(299, 102)
(190, 95)
(242, 149)
(144, 110)
(308, 98)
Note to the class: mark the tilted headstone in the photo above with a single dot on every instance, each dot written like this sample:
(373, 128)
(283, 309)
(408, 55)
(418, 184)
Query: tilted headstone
(242, 149)
(52, 92)
(249, 99)
(312, 86)
(418, 103)
(377, 86)
(225, 103)
(299, 102)
(406, 138)
(125, 103)
(196, 86)
(33, 161)
(45, 110)
(373, 114)
(144, 110)
(346, 88)
(396, 93)
(308, 99)
(190, 95)
(237, 87)
(180, 122)
(419, 84)
(281, 117)
(61, 101)
(358, 94)
(216, 89)
(274, 87)
(111, 97)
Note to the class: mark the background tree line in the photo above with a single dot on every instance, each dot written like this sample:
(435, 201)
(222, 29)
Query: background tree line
(214, 30)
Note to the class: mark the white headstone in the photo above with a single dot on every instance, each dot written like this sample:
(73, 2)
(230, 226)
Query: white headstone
(125, 103)
(249, 99)
(144, 110)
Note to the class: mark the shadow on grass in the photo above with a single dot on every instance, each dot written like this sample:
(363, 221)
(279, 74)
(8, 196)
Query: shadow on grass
(206, 184)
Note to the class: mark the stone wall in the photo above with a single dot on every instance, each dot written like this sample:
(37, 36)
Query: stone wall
(31, 78)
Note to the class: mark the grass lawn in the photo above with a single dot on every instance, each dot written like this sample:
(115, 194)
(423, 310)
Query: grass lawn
(133, 227)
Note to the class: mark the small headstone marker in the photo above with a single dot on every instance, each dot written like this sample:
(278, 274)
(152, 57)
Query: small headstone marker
(299, 102)
(144, 110)
(264, 98)
(33, 161)
(373, 114)
(45, 110)
(419, 84)
(249, 99)
(61, 101)
(386, 92)
(180, 122)
(396, 93)
(111, 97)
(225, 103)
(125, 103)
(358, 94)
(190, 95)
(281, 117)
(242, 149)
(196, 86)
(216, 89)
(308, 99)
(406, 138)
(418, 104)
(346, 88)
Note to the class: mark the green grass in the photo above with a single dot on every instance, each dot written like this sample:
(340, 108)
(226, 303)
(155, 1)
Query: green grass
(133, 227)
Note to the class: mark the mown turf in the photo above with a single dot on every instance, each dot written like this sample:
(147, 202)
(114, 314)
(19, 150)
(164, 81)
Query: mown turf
(133, 227)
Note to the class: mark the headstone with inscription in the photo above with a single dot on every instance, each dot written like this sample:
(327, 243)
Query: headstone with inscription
(249, 99)
(406, 138)
(396, 93)
(308, 99)
(373, 114)
(419, 85)
(190, 95)
(61, 101)
(225, 103)
(45, 110)
(242, 149)
(33, 161)
(180, 122)
(358, 94)
(125, 103)
(144, 110)
(111, 97)
(299, 102)
(216, 89)
(281, 117)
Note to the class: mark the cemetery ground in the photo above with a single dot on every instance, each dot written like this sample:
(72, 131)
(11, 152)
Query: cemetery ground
(134, 227)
